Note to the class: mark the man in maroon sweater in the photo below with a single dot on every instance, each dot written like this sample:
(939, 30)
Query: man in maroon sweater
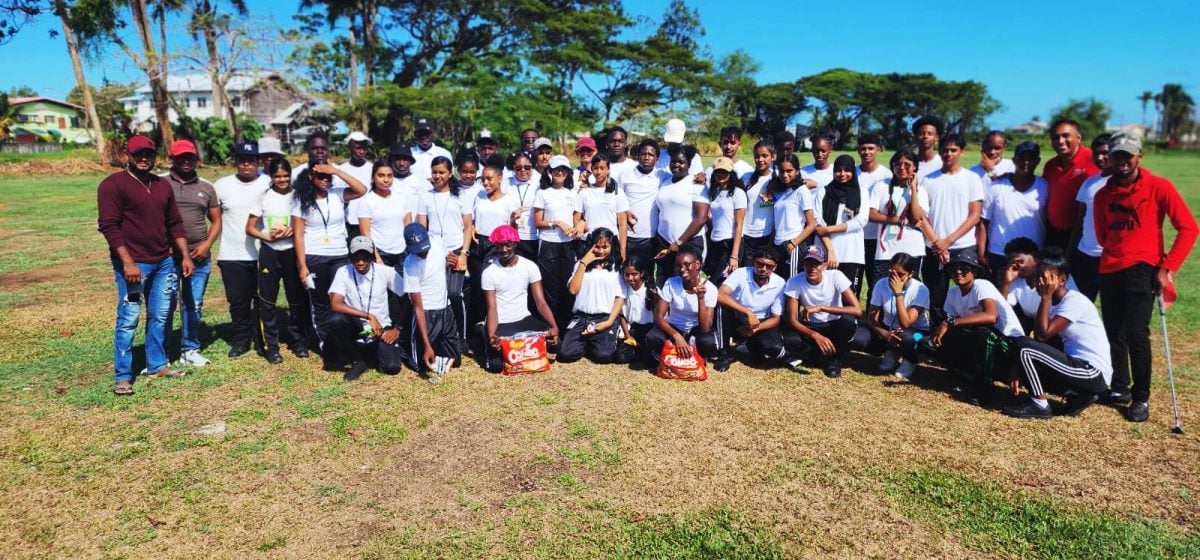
(141, 223)
(1129, 213)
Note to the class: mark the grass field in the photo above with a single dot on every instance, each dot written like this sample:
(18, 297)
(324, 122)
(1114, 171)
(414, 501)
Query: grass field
(580, 462)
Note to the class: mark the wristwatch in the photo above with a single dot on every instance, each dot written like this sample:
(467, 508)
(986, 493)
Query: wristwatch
(950, 320)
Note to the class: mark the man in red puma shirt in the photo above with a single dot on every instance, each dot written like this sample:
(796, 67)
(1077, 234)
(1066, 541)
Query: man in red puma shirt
(1129, 214)
(1065, 173)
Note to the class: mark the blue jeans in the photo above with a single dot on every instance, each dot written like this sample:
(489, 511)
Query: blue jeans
(191, 303)
(158, 286)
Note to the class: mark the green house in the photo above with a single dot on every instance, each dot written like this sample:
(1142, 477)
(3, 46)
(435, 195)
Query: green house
(42, 119)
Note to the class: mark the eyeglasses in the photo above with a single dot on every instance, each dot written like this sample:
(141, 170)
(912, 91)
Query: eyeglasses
(689, 264)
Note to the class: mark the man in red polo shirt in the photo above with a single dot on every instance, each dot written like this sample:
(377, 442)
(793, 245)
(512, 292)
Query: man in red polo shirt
(1065, 173)
(1129, 213)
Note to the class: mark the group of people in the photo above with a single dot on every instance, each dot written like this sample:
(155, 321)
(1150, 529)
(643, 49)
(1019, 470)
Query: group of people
(423, 256)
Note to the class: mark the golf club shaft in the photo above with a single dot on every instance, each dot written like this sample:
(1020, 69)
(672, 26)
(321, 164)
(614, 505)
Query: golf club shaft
(1162, 315)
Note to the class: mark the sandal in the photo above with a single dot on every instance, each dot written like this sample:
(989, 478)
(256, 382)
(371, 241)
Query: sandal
(166, 371)
(123, 389)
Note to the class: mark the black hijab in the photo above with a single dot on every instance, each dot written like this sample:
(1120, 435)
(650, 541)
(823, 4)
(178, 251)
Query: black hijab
(841, 193)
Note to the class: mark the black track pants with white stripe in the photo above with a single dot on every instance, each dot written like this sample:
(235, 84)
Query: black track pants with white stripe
(1046, 369)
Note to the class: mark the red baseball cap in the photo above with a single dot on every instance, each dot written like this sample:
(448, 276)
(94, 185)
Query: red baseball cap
(586, 142)
(180, 147)
(139, 143)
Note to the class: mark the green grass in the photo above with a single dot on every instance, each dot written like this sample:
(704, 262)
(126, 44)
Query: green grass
(68, 152)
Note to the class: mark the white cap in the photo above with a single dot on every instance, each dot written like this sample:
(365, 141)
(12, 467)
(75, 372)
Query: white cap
(675, 131)
(560, 161)
(269, 145)
(357, 136)
(542, 142)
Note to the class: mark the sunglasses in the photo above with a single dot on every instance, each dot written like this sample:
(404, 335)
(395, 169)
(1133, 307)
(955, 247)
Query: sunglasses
(322, 177)
(522, 167)
(960, 271)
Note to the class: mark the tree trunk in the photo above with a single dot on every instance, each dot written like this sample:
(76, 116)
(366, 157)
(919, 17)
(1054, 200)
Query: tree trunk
(156, 71)
(89, 103)
(370, 39)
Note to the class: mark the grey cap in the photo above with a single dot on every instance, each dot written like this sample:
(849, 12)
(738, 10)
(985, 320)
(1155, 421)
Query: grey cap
(542, 142)
(361, 243)
(1123, 142)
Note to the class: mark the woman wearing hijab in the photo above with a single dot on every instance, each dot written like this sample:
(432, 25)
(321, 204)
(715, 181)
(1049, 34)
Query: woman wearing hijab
(844, 207)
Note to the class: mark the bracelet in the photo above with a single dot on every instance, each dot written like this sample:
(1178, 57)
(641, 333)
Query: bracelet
(898, 294)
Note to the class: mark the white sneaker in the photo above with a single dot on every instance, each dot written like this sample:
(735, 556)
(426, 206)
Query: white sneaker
(905, 370)
(891, 360)
(193, 358)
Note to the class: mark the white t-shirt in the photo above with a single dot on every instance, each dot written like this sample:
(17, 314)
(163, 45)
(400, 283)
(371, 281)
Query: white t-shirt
(368, 292)
(847, 245)
(424, 158)
(600, 209)
(275, 209)
(1002, 168)
(511, 284)
(324, 225)
(557, 205)
(949, 198)
(1088, 244)
(363, 174)
(740, 169)
(674, 202)
(427, 276)
(444, 215)
(1084, 338)
(959, 304)
(600, 288)
(1026, 298)
(898, 238)
(664, 163)
(615, 169)
(924, 168)
(491, 214)
(916, 294)
(760, 215)
(641, 190)
(386, 217)
(635, 310)
(789, 207)
(237, 200)
(821, 176)
(827, 292)
(722, 212)
(683, 308)
(1012, 214)
(523, 193)
(764, 301)
(414, 185)
(869, 180)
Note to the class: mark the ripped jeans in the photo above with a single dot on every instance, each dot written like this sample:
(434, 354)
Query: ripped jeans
(158, 286)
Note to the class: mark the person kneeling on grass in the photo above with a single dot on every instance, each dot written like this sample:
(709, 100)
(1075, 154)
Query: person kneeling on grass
(598, 302)
(896, 316)
(977, 337)
(427, 283)
(822, 311)
(1083, 367)
(1019, 279)
(751, 301)
(637, 313)
(685, 310)
(358, 300)
(507, 284)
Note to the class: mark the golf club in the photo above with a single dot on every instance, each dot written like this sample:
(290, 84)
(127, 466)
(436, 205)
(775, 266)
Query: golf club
(1162, 314)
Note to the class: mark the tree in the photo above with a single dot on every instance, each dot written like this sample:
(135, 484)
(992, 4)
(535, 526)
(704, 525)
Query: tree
(1091, 114)
(1177, 111)
(72, 18)
(209, 23)
(8, 116)
(14, 14)
(1146, 97)
(22, 91)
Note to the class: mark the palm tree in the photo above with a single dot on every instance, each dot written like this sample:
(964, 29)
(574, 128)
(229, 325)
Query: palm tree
(1146, 97)
(1177, 110)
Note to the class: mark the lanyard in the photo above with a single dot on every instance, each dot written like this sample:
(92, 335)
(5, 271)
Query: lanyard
(366, 303)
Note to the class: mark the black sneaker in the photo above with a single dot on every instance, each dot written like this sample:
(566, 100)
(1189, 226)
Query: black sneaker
(238, 350)
(1138, 412)
(1076, 403)
(356, 370)
(1028, 409)
(833, 368)
(722, 363)
(273, 357)
(300, 351)
(1116, 397)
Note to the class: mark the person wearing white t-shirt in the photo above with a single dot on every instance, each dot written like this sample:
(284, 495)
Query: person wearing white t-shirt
(616, 143)
(382, 215)
(871, 174)
(596, 286)
(434, 330)
(842, 208)
(640, 185)
(822, 312)
(751, 301)
(685, 311)
(727, 212)
(820, 172)
(446, 212)
(360, 320)
(1014, 206)
(270, 222)
(424, 151)
(361, 168)
(319, 234)
(316, 147)
(683, 208)
(468, 166)
(896, 316)
(491, 209)
(992, 163)
(1083, 366)
(237, 258)
(1018, 279)
(637, 313)
(730, 142)
(603, 205)
(898, 207)
(758, 228)
(523, 186)
(508, 283)
(976, 338)
(554, 217)
(1085, 260)
(955, 204)
(927, 130)
(795, 217)
(673, 136)
(404, 181)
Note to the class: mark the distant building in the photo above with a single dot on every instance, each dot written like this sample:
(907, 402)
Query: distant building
(48, 120)
(1031, 128)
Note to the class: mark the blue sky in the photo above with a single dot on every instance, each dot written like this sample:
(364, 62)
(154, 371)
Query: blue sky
(1033, 56)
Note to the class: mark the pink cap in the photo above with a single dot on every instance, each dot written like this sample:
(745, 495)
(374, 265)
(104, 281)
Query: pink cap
(505, 234)
(586, 142)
